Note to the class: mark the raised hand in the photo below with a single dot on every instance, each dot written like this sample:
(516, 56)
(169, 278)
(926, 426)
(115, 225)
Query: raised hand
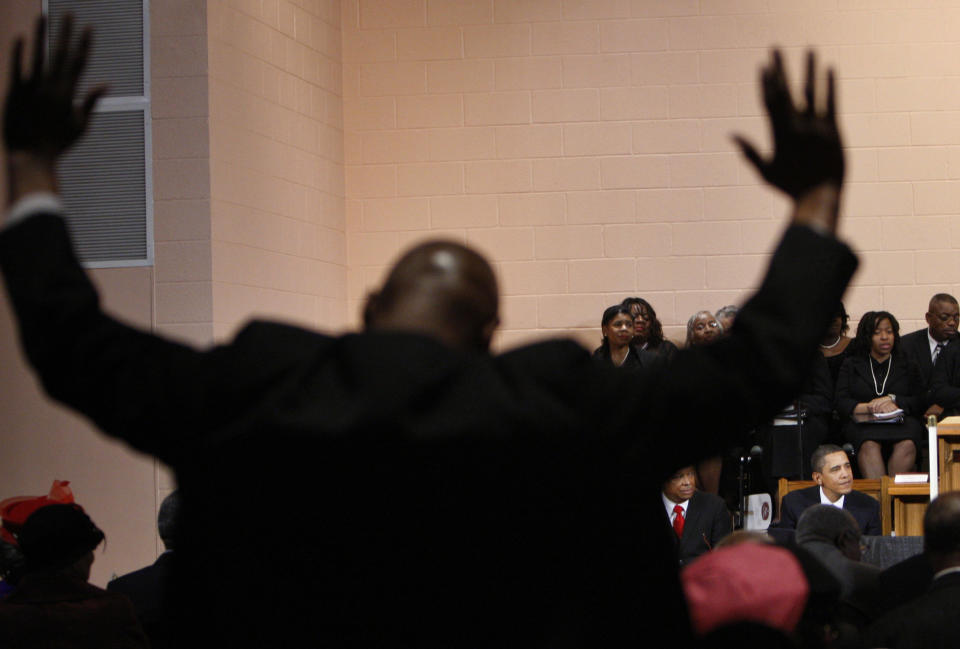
(40, 117)
(807, 150)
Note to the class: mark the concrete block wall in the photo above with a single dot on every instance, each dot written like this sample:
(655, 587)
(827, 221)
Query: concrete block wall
(584, 146)
(278, 246)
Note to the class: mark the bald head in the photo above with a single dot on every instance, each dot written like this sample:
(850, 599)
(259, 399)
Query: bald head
(441, 289)
(943, 316)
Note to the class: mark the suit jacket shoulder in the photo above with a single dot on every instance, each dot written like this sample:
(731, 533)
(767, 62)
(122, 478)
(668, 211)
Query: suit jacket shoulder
(795, 503)
(916, 347)
(866, 510)
(927, 622)
(707, 522)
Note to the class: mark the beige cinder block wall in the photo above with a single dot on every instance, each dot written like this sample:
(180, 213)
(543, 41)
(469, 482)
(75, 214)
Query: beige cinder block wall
(584, 146)
(278, 244)
(41, 441)
(248, 216)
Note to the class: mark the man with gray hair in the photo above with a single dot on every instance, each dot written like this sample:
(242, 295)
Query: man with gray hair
(832, 536)
(725, 316)
(929, 621)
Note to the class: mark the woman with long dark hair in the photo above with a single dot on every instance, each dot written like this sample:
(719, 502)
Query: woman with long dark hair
(648, 332)
(875, 381)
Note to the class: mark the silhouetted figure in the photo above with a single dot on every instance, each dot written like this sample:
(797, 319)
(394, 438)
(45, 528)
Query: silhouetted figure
(404, 488)
(832, 535)
(146, 587)
(929, 621)
(53, 606)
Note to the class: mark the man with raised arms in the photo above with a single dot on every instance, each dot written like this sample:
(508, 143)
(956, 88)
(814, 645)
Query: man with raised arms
(402, 486)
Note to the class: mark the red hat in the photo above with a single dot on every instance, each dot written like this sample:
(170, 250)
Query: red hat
(15, 511)
(750, 582)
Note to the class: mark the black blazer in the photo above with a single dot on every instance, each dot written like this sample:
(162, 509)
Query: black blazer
(864, 508)
(637, 359)
(928, 622)
(945, 383)
(707, 522)
(146, 588)
(916, 346)
(855, 385)
(417, 495)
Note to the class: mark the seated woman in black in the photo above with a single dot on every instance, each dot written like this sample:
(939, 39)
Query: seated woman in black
(836, 342)
(648, 332)
(616, 348)
(876, 379)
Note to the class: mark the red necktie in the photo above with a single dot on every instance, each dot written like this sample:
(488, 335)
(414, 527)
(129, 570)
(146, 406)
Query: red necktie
(678, 520)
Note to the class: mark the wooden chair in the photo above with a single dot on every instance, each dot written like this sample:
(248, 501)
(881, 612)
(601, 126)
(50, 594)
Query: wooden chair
(874, 488)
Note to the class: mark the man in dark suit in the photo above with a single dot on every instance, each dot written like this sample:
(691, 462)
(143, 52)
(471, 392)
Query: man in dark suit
(945, 384)
(929, 622)
(421, 492)
(834, 477)
(925, 345)
(146, 587)
(698, 519)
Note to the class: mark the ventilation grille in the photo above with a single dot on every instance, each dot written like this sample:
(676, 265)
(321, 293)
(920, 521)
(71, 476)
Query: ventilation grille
(117, 56)
(103, 185)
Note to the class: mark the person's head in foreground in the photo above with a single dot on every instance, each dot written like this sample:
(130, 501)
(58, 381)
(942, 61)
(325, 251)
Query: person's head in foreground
(941, 531)
(441, 289)
(831, 525)
(750, 582)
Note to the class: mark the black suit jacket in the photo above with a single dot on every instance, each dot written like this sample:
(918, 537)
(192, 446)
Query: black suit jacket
(864, 508)
(707, 522)
(856, 385)
(399, 493)
(945, 383)
(145, 588)
(916, 346)
(928, 622)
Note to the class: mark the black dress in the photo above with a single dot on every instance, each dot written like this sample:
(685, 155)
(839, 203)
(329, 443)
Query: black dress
(665, 350)
(834, 363)
(862, 379)
(636, 359)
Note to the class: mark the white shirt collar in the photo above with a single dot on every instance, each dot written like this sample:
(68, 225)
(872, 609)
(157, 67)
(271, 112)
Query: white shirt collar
(33, 204)
(933, 343)
(669, 504)
(826, 501)
(947, 571)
